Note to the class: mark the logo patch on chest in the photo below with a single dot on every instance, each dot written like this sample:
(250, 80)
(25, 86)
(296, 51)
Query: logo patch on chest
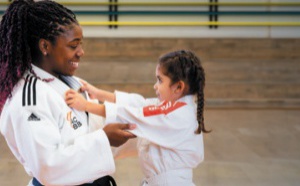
(165, 108)
(33, 117)
(75, 124)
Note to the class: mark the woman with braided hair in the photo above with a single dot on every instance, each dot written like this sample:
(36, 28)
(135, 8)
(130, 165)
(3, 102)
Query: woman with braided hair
(170, 127)
(40, 50)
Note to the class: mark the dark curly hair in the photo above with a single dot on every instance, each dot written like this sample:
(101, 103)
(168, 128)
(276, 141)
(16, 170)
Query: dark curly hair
(185, 66)
(23, 24)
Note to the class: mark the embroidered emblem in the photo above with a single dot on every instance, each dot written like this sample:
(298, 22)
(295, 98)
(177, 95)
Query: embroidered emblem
(33, 117)
(165, 108)
(75, 123)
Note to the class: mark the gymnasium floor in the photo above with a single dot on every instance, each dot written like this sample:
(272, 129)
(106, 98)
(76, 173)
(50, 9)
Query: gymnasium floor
(247, 147)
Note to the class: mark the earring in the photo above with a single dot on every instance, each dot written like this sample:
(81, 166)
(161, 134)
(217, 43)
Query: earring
(45, 53)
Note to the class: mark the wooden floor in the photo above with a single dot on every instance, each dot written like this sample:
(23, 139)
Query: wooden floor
(247, 147)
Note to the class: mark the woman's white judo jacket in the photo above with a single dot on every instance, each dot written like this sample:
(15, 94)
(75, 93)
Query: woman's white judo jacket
(55, 144)
(168, 147)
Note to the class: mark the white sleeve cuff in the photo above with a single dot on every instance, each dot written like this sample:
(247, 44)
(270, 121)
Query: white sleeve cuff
(122, 98)
(110, 112)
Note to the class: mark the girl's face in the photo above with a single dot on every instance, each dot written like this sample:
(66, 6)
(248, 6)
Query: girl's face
(64, 55)
(163, 88)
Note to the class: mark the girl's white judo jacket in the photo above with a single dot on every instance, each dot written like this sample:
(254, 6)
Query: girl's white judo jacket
(55, 144)
(168, 147)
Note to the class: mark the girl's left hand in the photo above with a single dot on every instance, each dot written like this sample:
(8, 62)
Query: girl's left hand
(75, 100)
(90, 89)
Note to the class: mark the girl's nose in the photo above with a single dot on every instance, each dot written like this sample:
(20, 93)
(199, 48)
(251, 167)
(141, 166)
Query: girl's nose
(154, 86)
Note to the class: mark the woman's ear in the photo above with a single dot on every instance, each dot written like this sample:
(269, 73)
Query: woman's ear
(44, 46)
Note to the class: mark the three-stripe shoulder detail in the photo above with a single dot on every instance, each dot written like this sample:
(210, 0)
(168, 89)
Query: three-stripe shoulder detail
(29, 91)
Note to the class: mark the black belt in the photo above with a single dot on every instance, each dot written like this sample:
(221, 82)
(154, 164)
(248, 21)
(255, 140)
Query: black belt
(35, 182)
(104, 181)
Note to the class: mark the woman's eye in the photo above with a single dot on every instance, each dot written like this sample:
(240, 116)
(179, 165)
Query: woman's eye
(73, 46)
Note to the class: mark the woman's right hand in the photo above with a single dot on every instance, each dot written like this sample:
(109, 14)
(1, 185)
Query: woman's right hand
(117, 133)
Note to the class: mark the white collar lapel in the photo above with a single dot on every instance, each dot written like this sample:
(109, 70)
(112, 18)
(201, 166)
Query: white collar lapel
(60, 87)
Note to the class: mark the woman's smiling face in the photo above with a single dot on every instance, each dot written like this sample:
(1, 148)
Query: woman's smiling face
(64, 55)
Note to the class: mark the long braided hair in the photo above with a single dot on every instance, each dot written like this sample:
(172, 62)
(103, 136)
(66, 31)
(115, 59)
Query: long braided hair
(185, 66)
(23, 24)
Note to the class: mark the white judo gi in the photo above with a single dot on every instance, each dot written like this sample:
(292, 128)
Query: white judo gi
(168, 147)
(55, 144)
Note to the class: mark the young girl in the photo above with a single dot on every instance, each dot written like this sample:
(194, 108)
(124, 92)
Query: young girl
(170, 127)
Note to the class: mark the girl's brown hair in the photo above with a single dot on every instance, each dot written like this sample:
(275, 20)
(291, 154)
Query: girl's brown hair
(185, 66)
